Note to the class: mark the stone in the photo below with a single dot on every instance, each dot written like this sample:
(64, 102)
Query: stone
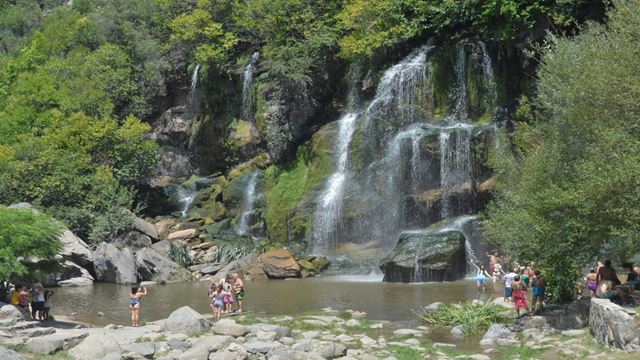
(152, 265)
(278, 331)
(12, 313)
(147, 350)
(183, 235)
(229, 327)
(36, 332)
(145, 228)
(279, 264)
(211, 269)
(329, 350)
(185, 320)
(76, 282)
(177, 344)
(75, 249)
(204, 346)
(260, 347)
(613, 325)
(352, 323)
(7, 354)
(457, 331)
(412, 342)
(433, 307)
(48, 344)
(574, 333)
(405, 332)
(115, 266)
(426, 256)
(497, 331)
(162, 247)
(96, 346)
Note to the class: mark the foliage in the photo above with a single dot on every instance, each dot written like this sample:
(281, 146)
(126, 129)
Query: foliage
(567, 184)
(25, 233)
(227, 254)
(474, 318)
(179, 253)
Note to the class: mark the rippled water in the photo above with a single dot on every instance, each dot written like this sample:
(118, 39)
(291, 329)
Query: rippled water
(381, 301)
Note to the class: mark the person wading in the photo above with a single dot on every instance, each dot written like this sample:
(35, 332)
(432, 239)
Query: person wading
(135, 298)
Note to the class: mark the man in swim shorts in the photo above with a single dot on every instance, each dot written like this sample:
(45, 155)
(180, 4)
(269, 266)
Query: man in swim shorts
(238, 290)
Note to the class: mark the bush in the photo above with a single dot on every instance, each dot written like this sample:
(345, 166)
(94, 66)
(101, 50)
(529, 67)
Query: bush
(179, 253)
(473, 318)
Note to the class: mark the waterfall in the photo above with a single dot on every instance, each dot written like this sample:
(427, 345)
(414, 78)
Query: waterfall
(488, 75)
(247, 209)
(459, 92)
(247, 87)
(185, 198)
(455, 163)
(462, 224)
(328, 212)
(192, 97)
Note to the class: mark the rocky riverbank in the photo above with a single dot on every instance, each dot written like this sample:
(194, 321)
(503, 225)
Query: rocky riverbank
(324, 334)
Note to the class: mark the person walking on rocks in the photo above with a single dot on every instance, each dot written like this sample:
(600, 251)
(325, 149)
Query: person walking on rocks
(538, 286)
(238, 290)
(135, 299)
(508, 281)
(608, 273)
(217, 298)
(519, 295)
(481, 277)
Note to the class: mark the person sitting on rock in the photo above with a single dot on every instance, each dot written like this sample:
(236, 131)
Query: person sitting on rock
(604, 290)
(608, 273)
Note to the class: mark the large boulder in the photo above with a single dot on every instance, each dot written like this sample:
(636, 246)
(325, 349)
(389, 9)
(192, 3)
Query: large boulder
(11, 313)
(69, 274)
(96, 346)
(185, 320)
(279, 264)
(76, 250)
(229, 327)
(614, 326)
(8, 354)
(426, 256)
(145, 228)
(115, 266)
(153, 266)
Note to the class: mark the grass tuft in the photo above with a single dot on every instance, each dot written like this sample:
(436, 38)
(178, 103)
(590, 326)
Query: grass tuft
(474, 318)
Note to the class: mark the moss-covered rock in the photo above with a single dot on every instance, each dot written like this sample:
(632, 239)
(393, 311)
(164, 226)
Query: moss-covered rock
(426, 256)
(291, 185)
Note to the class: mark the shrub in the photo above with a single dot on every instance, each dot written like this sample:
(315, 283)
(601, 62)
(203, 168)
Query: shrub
(180, 254)
(474, 318)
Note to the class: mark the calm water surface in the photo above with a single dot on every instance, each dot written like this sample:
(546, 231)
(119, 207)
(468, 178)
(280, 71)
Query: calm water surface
(381, 301)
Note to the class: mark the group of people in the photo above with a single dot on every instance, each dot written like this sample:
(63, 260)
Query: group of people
(229, 289)
(34, 303)
(517, 282)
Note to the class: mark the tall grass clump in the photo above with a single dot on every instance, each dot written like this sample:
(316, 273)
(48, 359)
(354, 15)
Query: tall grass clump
(474, 318)
(179, 253)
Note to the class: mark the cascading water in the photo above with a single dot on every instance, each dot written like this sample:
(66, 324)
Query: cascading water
(247, 209)
(247, 87)
(329, 210)
(413, 165)
(185, 198)
(193, 89)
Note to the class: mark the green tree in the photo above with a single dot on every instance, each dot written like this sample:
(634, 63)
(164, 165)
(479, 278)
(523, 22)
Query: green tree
(25, 233)
(570, 189)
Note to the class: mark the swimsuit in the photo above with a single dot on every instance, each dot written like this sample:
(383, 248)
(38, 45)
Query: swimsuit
(134, 301)
(480, 278)
(592, 284)
(239, 294)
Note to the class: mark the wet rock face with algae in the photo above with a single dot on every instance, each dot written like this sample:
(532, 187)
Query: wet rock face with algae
(426, 256)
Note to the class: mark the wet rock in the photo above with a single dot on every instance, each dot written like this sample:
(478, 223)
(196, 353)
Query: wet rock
(426, 256)
(495, 333)
(229, 327)
(96, 346)
(152, 265)
(185, 320)
(279, 264)
(115, 266)
(7, 354)
(457, 331)
(613, 325)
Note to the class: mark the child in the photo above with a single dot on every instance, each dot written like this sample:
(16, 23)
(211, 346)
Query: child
(592, 282)
(228, 298)
(47, 303)
(218, 301)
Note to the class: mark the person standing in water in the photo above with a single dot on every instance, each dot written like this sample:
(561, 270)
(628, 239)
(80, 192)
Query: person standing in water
(135, 298)
(238, 290)
(481, 277)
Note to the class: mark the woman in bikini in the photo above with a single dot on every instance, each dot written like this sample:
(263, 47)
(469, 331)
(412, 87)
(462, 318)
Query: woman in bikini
(135, 298)
(592, 282)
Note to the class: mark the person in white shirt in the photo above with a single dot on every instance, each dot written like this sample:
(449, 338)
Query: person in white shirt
(508, 280)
